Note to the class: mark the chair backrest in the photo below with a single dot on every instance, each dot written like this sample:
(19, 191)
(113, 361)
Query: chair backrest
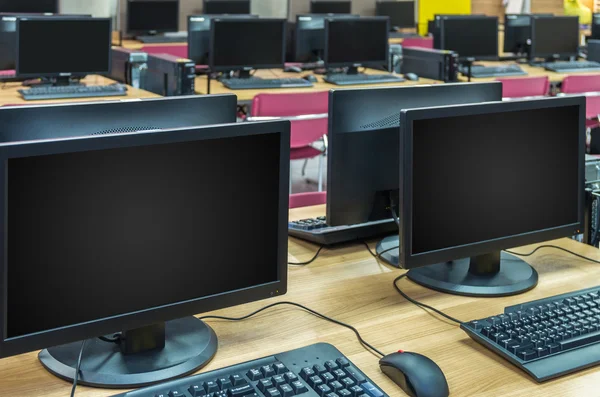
(422, 42)
(175, 50)
(577, 84)
(303, 132)
(7, 72)
(524, 87)
(307, 199)
(592, 107)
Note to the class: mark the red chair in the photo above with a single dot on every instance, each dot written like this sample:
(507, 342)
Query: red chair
(307, 199)
(307, 113)
(180, 51)
(578, 84)
(525, 87)
(422, 42)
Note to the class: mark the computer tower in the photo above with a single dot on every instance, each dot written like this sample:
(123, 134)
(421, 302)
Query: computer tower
(432, 64)
(169, 75)
(593, 50)
(129, 66)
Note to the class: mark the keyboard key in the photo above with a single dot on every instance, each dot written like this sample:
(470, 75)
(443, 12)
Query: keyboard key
(554, 348)
(542, 351)
(319, 369)
(477, 325)
(528, 355)
(580, 340)
(355, 375)
(344, 393)
(197, 391)
(224, 383)
(348, 382)
(272, 392)
(267, 371)
(264, 384)
(332, 395)
(331, 365)
(315, 381)
(254, 374)
(175, 393)
(211, 387)
(371, 390)
(286, 390)
(241, 391)
(356, 391)
(336, 385)
(237, 380)
(339, 374)
(327, 377)
(306, 373)
(342, 362)
(323, 390)
(299, 387)
(290, 377)
(280, 368)
(278, 380)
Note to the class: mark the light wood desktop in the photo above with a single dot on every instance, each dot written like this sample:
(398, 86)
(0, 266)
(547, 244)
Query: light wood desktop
(9, 94)
(531, 71)
(348, 284)
(132, 44)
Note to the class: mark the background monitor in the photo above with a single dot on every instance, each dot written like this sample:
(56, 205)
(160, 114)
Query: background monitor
(554, 37)
(595, 27)
(199, 35)
(128, 240)
(29, 6)
(152, 16)
(363, 155)
(356, 42)
(471, 192)
(44, 47)
(401, 13)
(330, 7)
(263, 46)
(226, 7)
(517, 32)
(310, 36)
(470, 36)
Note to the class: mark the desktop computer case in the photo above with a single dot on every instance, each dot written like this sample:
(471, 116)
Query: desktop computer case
(129, 67)
(431, 64)
(169, 75)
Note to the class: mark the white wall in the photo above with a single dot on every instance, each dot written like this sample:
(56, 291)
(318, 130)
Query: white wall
(98, 8)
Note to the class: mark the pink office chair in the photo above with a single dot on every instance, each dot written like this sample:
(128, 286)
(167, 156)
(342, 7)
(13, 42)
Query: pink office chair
(525, 87)
(422, 42)
(307, 113)
(583, 84)
(180, 51)
(307, 199)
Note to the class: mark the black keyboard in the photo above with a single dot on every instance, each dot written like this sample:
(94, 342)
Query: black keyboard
(162, 39)
(73, 91)
(478, 71)
(401, 35)
(546, 338)
(571, 67)
(318, 370)
(360, 78)
(317, 231)
(257, 83)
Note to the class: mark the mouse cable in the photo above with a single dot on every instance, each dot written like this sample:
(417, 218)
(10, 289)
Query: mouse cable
(311, 311)
(76, 377)
(309, 261)
(555, 247)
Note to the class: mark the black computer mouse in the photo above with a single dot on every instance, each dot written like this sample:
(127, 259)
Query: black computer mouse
(411, 77)
(311, 77)
(293, 69)
(416, 374)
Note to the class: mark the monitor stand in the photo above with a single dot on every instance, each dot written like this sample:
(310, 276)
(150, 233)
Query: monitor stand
(494, 274)
(145, 356)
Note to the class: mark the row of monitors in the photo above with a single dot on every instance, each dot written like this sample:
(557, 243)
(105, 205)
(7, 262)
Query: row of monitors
(45, 46)
(538, 36)
(112, 231)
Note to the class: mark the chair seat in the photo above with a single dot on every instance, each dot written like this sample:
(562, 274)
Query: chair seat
(307, 199)
(306, 152)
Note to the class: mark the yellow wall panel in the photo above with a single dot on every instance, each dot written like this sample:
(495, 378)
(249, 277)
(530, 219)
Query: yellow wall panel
(428, 8)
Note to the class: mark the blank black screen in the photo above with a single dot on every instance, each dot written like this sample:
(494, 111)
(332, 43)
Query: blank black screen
(162, 16)
(32, 6)
(227, 7)
(245, 43)
(401, 13)
(470, 37)
(355, 41)
(64, 46)
(478, 178)
(102, 233)
(555, 36)
(330, 7)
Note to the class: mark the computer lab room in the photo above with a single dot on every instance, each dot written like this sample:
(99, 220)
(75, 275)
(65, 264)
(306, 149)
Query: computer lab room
(299, 198)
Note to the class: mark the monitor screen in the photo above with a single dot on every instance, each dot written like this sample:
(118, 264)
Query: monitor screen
(46, 47)
(152, 16)
(262, 47)
(554, 36)
(471, 185)
(33, 6)
(356, 41)
(330, 7)
(226, 7)
(401, 13)
(120, 230)
(470, 37)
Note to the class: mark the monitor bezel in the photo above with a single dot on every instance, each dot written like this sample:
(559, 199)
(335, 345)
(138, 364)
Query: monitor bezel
(374, 64)
(55, 11)
(409, 260)
(26, 343)
(398, 4)
(534, 54)
(65, 73)
(204, 2)
(131, 32)
(595, 28)
(442, 35)
(346, 2)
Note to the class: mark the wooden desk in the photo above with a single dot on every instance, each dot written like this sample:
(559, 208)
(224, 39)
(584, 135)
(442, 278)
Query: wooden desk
(9, 94)
(136, 45)
(350, 285)
(248, 95)
(530, 70)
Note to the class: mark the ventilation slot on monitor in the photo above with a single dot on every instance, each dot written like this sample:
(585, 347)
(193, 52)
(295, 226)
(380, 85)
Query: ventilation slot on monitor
(390, 121)
(122, 130)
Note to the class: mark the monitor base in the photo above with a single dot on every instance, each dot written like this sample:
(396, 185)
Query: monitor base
(190, 345)
(391, 257)
(460, 277)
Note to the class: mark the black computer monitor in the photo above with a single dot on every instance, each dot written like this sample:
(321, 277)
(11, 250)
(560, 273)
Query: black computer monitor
(262, 47)
(29, 6)
(363, 154)
(433, 27)
(128, 240)
(310, 36)
(471, 186)
(472, 37)
(401, 13)
(45, 47)
(517, 32)
(152, 16)
(28, 123)
(330, 7)
(356, 43)
(554, 37)
(226, 7)
(199, 35)
(595, 27)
